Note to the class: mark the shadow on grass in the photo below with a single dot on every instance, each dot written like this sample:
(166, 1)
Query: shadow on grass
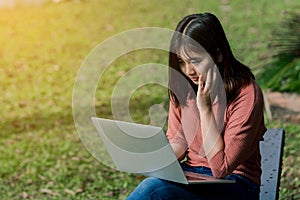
(39, 121)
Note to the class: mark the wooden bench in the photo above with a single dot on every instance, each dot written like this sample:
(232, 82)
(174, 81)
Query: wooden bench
(271, 151)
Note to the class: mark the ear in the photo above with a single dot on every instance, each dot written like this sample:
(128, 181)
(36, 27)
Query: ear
(219, 57)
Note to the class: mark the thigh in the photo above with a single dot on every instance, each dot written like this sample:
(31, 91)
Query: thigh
(157, 189)
(243, 189)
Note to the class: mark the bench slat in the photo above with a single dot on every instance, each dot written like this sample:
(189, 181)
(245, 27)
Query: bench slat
(271, 151)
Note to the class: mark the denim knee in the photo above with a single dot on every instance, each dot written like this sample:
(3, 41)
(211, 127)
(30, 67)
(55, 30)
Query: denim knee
(147, 189)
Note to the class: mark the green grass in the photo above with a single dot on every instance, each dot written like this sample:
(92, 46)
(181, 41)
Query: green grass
(42, 48)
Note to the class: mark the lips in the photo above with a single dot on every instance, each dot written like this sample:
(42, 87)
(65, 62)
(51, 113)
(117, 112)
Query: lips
(195, 79)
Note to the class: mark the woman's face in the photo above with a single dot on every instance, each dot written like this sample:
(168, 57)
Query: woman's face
(193, 64)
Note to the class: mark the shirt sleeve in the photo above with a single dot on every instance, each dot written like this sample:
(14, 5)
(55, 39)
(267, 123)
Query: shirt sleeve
(243, 130)
(175, 132)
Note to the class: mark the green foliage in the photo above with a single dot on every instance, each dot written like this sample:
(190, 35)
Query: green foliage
(283, 73)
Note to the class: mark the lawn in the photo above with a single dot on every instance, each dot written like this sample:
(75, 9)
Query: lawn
(43, 47)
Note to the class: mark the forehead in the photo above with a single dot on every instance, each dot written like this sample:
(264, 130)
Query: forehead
(187, 53)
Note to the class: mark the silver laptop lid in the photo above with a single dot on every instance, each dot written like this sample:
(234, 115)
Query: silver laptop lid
(140, 149)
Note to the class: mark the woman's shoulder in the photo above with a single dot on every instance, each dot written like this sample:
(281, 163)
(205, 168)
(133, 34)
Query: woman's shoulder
(251, 93)
(253, 89)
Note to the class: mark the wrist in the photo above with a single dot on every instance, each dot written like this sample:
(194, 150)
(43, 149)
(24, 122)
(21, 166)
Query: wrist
(205, 111)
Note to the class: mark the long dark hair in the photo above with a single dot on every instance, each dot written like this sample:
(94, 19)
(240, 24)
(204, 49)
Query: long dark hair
(207, 31)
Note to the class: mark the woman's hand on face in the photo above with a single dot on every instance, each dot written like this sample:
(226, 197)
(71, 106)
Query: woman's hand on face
(207, 90)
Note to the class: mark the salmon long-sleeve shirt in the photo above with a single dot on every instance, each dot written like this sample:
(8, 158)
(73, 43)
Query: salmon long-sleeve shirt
(242, 131)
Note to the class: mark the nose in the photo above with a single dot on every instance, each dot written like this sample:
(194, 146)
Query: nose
(189, 69)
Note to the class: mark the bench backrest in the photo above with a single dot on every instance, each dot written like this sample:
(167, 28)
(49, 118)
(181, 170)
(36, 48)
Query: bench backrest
(271, 151)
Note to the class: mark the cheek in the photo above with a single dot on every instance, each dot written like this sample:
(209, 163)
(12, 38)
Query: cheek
(202, 68)
(182, 69)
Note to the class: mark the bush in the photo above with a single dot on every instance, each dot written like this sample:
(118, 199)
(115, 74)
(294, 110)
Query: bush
(283, 72)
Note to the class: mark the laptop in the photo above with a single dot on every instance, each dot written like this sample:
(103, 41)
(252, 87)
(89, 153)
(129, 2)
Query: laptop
(145, 150)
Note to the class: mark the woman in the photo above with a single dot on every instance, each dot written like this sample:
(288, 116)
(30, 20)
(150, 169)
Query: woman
(215, 118)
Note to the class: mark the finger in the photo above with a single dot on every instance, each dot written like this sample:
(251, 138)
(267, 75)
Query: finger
(201, 82)
(216, 71)
(208, 79)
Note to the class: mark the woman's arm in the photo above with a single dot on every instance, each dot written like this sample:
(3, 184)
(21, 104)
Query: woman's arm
(242, 132)
(212, 140)
(179, 150)
(208, 91)
(175, 133)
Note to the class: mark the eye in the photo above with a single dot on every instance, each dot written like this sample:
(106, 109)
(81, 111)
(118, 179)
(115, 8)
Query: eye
(180, 61)
(195, 62)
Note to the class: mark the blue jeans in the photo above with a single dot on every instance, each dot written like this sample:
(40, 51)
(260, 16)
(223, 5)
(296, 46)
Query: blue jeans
(157, 189)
